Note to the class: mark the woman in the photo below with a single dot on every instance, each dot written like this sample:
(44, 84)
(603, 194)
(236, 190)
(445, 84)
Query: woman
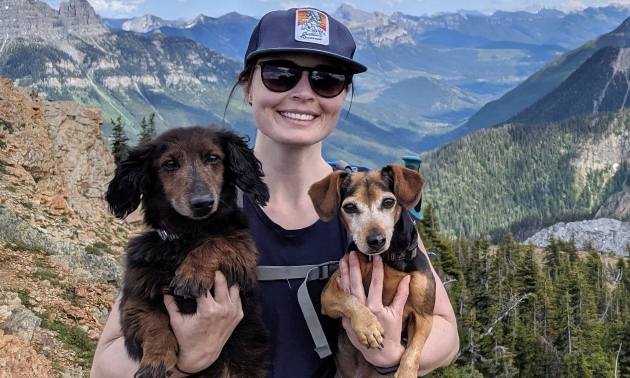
(297, 75)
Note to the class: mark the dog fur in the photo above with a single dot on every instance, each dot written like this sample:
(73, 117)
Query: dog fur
(373, 206)
(186, 180)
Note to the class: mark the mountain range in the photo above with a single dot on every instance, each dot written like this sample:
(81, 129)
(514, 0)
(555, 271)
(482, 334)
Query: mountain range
(427, 74)
(470, 58)
(539, 84)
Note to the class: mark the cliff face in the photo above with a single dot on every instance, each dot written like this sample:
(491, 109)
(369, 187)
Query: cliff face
(57, 150)
(59, 248)
(28, 18)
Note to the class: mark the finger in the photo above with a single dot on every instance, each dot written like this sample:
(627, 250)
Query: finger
(402, 293)
(375, 295)
(356, 281)
(221, 291)
(344, 279)
(171, 305)
(234, 294)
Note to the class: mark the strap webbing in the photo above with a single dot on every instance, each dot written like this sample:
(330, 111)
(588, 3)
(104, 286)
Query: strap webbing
(309, 273)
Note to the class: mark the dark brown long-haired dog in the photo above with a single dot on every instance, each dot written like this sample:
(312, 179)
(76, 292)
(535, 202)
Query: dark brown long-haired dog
(186, 180)
(373, 206)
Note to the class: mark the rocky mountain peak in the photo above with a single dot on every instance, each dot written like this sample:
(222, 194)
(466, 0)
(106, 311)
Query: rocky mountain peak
(379, 30)
(624, 28)
(347, 13)
(31, 18)
(147, 23)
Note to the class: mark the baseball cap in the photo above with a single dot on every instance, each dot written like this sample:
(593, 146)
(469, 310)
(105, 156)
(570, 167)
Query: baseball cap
(303, 30)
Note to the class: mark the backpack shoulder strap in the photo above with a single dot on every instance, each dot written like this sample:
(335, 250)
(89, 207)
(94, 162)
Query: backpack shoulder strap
(309, 273)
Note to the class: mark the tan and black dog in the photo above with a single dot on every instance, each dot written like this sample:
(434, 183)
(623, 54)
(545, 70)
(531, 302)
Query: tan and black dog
(186, 179)
(373, 206)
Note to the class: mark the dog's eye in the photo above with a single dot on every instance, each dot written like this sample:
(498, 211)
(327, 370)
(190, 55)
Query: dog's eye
(171, 165)
(211, 159)
(388, 203)
(350, 208)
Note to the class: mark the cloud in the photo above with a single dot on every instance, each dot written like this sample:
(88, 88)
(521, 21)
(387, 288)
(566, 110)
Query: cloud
(116, 8)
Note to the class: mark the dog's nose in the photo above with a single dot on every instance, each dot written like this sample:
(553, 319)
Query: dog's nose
(375, 241)
(199, 203)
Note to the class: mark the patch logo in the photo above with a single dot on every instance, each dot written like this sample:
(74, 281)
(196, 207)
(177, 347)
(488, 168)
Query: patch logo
(311, 26)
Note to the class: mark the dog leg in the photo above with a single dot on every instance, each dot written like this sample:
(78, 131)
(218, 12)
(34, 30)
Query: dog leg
(234, 255)
(418, 330)
(337, 304)
(195, 275)
(151, 327)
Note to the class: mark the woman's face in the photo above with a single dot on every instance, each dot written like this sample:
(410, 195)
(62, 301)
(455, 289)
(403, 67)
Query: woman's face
(297, 117)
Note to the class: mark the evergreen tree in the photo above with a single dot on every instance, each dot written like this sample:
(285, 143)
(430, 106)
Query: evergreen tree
(119, 141)
(147, 129)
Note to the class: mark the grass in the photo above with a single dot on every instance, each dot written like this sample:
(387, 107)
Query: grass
(23, 294)
(99, 249)
(74, 339)
(21, 246)
(45, 274)
(3, 164)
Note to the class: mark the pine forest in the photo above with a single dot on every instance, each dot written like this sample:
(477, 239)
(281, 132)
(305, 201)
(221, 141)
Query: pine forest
(529, 312)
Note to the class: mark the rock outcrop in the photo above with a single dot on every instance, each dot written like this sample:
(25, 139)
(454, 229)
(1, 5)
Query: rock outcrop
(616, 206)
(604, 235)
(60, 249)
(29, 18)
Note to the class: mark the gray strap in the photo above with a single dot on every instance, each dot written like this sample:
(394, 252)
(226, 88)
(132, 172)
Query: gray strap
(274, 273)
(309, 273)
(239, 197)
(310, 315)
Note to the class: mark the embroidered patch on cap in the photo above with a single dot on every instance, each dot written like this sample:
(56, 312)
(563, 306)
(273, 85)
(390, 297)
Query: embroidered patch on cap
(311, 26)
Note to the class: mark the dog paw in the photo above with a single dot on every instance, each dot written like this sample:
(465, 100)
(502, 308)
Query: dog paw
(190, 286)
(369, 331)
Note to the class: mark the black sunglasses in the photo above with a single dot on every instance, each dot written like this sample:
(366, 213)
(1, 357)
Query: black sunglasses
(282, 75)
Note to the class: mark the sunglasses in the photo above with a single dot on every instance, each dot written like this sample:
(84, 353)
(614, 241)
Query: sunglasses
(282, 75)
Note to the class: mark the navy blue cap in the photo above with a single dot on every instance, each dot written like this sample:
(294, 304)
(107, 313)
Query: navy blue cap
(303, 30)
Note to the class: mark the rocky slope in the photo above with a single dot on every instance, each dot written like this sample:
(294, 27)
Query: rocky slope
(59, 248)
(603, 234)
(28, 18)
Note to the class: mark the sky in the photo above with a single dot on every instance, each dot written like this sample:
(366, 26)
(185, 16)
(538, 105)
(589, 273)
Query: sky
(189, 9)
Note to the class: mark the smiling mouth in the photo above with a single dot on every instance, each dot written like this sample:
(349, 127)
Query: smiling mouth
(298, 116)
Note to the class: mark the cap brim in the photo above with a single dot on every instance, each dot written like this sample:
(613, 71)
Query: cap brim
(353, 66)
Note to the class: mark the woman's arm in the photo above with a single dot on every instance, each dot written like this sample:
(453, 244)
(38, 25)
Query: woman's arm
(443, 341)
(200, 336)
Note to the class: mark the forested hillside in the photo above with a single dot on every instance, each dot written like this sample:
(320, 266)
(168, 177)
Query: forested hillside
(599, 85)
(526, 312)
(525, 177)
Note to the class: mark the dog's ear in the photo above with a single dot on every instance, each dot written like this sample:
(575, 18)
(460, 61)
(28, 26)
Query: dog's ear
(125, 190)
(407, 184)
(325, 195)
(245, 168)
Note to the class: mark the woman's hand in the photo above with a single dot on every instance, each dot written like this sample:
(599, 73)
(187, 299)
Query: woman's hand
(350, 281)
(202, 335)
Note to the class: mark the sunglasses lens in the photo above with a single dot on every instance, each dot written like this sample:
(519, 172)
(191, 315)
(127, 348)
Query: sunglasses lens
(327, 84)
(279, 79)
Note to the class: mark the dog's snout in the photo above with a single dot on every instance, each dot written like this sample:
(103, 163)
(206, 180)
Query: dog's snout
(202, 202)
(201, 199)
(375, 241)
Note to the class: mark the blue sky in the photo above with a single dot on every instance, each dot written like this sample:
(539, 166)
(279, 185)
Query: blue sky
(188, 9)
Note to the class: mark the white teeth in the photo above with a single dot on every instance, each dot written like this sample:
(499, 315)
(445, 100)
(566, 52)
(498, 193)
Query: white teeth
(301, 117)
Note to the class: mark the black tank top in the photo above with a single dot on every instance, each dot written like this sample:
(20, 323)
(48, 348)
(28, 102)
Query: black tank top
(292, 347)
